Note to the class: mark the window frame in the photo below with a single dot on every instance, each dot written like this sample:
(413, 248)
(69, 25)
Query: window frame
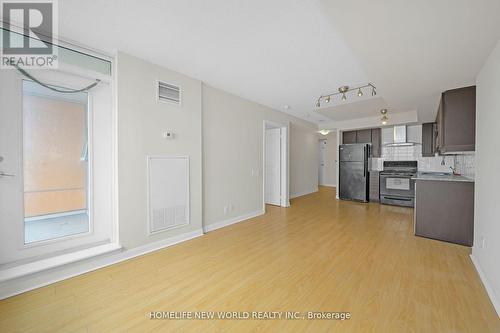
(88, 180)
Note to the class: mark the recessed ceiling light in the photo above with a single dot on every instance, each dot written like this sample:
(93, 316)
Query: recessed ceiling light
(324, 132)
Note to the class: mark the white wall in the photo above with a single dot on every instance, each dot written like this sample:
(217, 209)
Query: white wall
(233, 148)
(304, 156)
(487, 209)
(141, 122)
(233, 142)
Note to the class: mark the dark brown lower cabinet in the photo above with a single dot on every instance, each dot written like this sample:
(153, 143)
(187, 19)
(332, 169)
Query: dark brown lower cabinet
(444, 210)
(374, 186)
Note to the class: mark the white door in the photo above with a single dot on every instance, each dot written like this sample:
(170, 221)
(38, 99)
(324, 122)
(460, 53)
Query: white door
(11, 182)
(321, 170)
(273, 167)
(45, 151)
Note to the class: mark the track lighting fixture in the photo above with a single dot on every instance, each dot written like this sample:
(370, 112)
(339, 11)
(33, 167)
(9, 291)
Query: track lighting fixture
(343, 91)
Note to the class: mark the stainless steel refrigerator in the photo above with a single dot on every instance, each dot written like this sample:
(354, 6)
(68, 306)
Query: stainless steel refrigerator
(353, 172)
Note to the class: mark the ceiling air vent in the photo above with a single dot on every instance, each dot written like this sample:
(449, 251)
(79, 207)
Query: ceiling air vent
(169, 93)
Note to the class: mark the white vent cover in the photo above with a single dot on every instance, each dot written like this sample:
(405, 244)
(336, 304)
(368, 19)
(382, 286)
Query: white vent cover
(169, 93)
(168, 193)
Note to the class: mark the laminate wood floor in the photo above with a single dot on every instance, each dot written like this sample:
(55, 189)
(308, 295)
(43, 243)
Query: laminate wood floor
(318, 255)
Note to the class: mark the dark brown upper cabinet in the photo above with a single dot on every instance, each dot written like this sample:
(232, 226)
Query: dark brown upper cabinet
(364, 136)
(376, 142)
(373, 136)
(456, 121)
(349, 137)
(429, 139)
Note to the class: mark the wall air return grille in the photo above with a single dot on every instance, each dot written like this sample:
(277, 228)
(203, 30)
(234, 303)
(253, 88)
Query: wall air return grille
(168, 192)
(169, 93)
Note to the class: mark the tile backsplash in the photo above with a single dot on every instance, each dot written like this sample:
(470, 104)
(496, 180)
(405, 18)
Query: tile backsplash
(463, 163)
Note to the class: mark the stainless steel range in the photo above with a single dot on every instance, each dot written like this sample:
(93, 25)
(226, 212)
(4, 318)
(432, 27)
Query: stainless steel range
(396, 184)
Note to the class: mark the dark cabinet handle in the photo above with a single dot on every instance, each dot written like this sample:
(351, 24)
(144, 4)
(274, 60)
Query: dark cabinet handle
(394, 198)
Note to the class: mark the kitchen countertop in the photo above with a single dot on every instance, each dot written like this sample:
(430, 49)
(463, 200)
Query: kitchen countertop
(438, 176)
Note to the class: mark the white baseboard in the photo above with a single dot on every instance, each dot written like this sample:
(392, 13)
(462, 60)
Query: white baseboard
(486, 284)
(56, 261)
(300, 194)
(44, 278)
(329, 185)
(233, 220)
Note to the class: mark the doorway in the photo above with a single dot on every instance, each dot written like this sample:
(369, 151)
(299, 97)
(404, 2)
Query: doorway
(322, 159)
(327, 160)
(55, 183)
(55, 163)
(275, 164)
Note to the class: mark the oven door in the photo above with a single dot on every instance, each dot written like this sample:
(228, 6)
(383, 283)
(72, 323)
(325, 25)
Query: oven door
(397, 185)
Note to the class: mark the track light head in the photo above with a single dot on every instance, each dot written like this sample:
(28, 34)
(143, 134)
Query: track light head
(342, 91)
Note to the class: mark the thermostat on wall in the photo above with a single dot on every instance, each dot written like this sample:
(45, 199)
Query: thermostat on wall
(168, 135)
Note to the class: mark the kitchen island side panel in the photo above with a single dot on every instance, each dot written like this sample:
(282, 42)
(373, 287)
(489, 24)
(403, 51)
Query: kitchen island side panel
(445, 211)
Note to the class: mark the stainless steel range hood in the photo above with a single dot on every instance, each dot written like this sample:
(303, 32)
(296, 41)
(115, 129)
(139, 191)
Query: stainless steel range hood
(399, 136)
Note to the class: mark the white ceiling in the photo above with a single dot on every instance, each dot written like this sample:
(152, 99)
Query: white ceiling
(414, 50)
(355, 109)
(274, 52)
(288, 52)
